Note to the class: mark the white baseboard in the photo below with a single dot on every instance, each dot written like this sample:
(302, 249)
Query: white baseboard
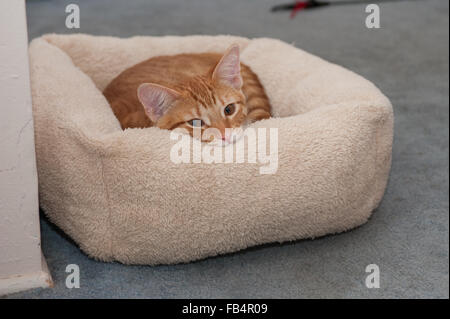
(21, 282)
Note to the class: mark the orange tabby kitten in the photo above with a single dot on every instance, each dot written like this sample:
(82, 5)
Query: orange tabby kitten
(189, 90)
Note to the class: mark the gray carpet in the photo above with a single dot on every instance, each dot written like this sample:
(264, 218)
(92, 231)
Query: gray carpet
(407, 237)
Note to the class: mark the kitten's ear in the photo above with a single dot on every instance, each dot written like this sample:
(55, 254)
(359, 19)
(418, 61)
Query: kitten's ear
(228, 70)
(156, 99)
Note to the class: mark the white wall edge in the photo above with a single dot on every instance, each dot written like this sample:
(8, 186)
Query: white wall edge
(22, 265)
(17, 283)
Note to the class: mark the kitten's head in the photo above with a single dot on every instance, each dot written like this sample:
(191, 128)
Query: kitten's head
(211, 101)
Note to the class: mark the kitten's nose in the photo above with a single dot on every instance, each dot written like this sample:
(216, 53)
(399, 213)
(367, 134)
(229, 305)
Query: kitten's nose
(223, 134)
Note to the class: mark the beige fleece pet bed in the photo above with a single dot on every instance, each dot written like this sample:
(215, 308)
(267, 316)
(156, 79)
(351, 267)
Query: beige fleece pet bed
(118, 195)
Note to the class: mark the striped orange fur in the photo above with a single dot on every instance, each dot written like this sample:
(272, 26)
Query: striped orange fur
(188, 90)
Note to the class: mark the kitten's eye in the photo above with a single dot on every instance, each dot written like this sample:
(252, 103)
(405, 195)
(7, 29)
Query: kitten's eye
(196, 123)
(229, 109)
